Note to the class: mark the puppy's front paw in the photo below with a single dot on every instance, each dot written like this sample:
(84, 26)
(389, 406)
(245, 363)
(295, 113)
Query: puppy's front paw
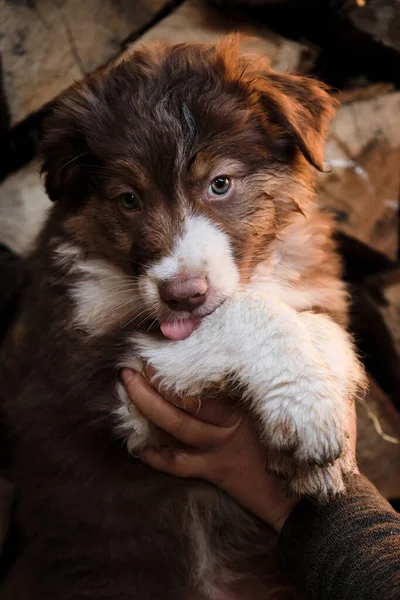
(321, 436)
(314, 481)
(313, 439)
(322, 483)
(188, 366)
(130, 423)
(141, 432)
(307, 421)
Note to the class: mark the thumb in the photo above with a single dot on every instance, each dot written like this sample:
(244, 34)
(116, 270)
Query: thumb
(176, 461)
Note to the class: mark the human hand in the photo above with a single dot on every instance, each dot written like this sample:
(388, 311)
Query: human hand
(218, 444)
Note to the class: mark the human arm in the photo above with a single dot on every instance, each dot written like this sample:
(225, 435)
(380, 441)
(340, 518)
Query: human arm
(346, 549)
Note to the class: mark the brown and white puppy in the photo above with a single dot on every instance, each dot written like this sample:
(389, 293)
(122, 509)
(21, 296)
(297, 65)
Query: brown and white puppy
(184, 234)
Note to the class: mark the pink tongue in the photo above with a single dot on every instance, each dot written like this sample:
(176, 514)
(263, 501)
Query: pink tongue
(179, 330)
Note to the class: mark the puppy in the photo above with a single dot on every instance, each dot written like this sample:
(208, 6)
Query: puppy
(184, 235)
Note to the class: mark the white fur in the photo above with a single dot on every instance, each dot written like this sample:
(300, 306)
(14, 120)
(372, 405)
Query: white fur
(203, 249)
(205, 564)
(130, 423)
(103, 295)
(297, 369)
(66, 255)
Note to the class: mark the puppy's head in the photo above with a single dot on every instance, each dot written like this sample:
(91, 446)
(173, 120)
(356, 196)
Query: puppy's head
(172, 173)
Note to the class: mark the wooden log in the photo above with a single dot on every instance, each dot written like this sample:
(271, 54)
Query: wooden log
(249, 2)
(4, 112)
(196, 20)
(378, 20)
(47, 45)
(363, 37)
(390, 306)
(363, 188)
(378, 447)
(23, 206)
(366, 92)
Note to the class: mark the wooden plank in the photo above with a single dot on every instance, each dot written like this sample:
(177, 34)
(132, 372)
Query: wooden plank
(366, 92)
(378, 454)
(249, 2)
(47, 45)
(390, 310)
(197, 21)
(377, 19)
(363, 189)
(23, 203)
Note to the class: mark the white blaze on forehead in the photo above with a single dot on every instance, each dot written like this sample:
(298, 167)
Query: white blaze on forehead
(203, 248)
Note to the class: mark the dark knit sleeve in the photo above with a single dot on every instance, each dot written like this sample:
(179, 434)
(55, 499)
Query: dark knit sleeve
(346, 550)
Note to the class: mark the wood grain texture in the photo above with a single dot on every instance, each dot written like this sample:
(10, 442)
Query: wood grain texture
(23, 207)
(197, 21)
(363, 188)
(390, 310)
(48, 44)
(379, 459)
(379, 19)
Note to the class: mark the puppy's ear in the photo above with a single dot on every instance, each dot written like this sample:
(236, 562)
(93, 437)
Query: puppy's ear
(66, 159)
(302, 108)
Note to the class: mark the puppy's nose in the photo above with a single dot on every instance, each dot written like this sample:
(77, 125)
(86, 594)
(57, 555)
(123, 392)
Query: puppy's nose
(184, 293)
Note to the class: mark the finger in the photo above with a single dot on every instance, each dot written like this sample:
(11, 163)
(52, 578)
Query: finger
(149, 371)
(216, 408)
(175, 462)
(176, 422)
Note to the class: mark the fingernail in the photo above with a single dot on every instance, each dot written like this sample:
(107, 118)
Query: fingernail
(127, 375)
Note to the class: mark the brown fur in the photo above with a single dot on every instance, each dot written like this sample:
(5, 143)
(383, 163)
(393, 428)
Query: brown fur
(99, 523)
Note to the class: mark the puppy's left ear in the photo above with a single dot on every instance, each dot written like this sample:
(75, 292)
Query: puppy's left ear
(302, 108)
(66, 157)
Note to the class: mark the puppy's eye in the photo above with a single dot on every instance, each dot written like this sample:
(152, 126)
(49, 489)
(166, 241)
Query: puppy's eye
(219, 186)
(128, 202)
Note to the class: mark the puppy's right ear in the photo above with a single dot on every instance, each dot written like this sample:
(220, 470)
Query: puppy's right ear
(66, 157)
